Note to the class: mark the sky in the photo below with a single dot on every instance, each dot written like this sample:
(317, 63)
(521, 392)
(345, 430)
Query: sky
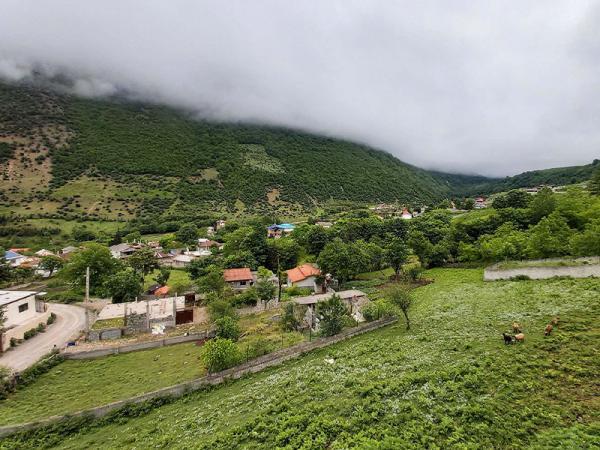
(491, 87)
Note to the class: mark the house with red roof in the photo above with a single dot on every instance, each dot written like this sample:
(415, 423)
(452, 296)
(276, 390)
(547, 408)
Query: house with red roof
(239, 279)
(304, 276)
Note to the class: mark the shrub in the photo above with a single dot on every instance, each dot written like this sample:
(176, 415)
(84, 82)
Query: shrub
(41, 327)
(220, 354)
(228, 328)
(220, 308)
(43, 365)
(248, 297)
(413, 272)
(51, 319)
(260, 347)
(294, 291)
(292, 316)
(13, 342)
(377, 310)
(30, 333)
(332, 315)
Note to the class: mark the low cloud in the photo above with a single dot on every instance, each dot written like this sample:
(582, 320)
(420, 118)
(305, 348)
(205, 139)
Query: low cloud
(493, 87)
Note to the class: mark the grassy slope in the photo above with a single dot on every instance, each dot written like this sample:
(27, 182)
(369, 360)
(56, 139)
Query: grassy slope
(449, 382)
(76, 385)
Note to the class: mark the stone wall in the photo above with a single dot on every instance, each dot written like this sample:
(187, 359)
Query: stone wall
(591, 268)
(252, 366)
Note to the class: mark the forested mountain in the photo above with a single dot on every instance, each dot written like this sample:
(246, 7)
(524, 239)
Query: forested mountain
(68, 156)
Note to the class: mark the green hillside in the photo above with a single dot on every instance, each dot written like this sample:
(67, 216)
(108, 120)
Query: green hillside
(118, 159)
(558, 176)
(68, 157)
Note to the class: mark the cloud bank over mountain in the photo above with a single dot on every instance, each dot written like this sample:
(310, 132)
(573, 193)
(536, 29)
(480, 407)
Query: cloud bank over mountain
(480, 87)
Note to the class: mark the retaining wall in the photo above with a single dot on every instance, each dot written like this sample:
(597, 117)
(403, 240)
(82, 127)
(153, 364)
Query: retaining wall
(90, 354)
(591, 268)
(252, 366)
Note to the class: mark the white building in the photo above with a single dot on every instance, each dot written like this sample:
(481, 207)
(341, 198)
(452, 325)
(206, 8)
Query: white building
(304, 276)
(22, 311)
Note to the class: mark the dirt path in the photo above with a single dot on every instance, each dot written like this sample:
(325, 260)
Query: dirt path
(70, 321)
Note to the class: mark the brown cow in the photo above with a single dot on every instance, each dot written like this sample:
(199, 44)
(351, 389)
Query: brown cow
(548, 329)
(516, 327)
(520, 337)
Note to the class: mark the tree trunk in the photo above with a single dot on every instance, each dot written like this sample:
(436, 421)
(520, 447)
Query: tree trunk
(407, 319)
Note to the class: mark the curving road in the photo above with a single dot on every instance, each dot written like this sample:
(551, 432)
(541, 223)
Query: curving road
(70, 322)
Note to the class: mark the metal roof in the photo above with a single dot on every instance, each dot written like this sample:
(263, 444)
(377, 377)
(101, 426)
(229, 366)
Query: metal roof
(7, 297)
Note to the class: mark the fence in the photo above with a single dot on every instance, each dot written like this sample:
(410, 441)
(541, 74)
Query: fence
(106, 351)
(546, 268)
(252, 366)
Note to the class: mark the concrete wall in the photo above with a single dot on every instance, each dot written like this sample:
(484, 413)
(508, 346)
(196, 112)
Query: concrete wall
(252, 366)
(14, 317)
(309, 282)
(591, 269)
(72, 353)
(18, 331)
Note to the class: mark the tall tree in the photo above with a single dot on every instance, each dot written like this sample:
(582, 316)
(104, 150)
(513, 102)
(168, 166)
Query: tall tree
(100, 261)
(542, 205)
(123, 286)
(400, 296)
(396, 254)
(187, 234)
(51, 263)
(143, 261)
(265, 289)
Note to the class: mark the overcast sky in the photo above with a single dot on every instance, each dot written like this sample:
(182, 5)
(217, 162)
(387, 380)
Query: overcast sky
(489, 87)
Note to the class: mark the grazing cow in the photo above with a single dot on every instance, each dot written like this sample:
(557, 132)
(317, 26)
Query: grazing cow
(508, 339)
(520, 337)
(555, 321)
(548, 329)
(516, 327)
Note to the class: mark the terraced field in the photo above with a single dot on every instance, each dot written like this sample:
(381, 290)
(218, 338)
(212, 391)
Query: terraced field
(449, 382)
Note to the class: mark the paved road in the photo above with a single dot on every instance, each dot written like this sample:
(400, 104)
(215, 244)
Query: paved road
(70, 321)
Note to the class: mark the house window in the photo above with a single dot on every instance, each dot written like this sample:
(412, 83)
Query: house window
(24, 307)
(242, 283)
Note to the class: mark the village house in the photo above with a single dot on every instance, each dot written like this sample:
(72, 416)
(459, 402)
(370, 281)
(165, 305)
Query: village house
(278, 230)
(238, 279)
(13, 258)
(324, 224)
(208, 244)
(406, 215)
(304, 276)
(23, 311)
(353, 299)
(121, 251)
(480, 203)
(43, 252)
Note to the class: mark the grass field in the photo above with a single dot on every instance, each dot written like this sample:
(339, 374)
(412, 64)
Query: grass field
(76, 385)
(449, 382)
(178, 278)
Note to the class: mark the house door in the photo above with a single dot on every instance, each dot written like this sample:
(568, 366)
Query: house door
(185, 316)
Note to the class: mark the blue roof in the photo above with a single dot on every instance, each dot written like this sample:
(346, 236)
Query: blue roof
(282, 226)
(12, 255)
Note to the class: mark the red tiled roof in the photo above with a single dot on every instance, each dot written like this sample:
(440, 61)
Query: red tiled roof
(302, 272)
(243, 274)
(162, 290)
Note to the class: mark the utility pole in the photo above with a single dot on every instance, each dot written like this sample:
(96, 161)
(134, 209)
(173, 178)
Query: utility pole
(278, 279)
(87, 284)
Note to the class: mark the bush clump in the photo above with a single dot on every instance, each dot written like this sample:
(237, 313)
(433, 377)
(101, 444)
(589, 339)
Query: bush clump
(220, 354)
